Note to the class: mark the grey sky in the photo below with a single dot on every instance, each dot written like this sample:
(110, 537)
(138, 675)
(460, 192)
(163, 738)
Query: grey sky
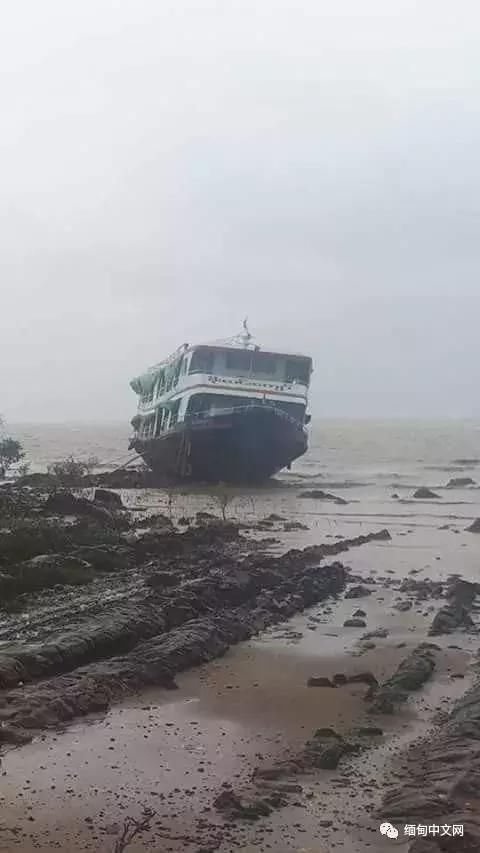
(168, 166)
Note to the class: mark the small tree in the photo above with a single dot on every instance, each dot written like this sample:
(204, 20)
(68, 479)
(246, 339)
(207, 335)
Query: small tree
(133, 827)
(171, 499)
(69, 471)
(11, 451)
(222, 498)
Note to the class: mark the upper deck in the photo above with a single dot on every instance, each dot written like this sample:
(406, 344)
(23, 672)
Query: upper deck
(238, 369)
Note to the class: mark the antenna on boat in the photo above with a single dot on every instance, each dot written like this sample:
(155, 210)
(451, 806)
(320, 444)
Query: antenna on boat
(246, 337)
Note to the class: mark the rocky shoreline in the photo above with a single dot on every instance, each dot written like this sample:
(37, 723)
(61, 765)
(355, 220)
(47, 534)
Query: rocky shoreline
(99, 602)
(181, 598)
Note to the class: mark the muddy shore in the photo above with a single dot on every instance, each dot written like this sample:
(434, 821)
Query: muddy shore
(233, 677)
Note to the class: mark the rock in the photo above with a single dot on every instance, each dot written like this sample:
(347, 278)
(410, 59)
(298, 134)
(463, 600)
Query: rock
(340, 679)
(354, 623)
(104, 558)
(234, 806)
(46, 571)
(205, 516)
(326, 750)
(475, 527)
(274, 517)
(422, 589)
(270, 773)
(64, 503)
(460, 482)
(279, 787)
(294, 525)
(108, 498)
(327, 733)
(368, 731)
(363, 678)
(378, 633)
(455, 614)
(425, 494)
(319, 681)
(13, 735)
(359, 614)
(359, 591)
(403, 606)
(319, 495)
(412, 673)
(184, 521)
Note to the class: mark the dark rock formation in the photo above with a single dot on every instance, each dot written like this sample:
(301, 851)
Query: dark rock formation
(460, 482)
(403, 606)
(162, 602)
(354, 623)
(65, 503)
(368, 731)
(294, 525)
(326, 749)
(442, 779)
(363, 678)
(359, 591)
(412, 674)
(425, 494)
(474, 527)
(319, 495)
(233, 806)
(108, 498)
(44, 571)
(319, 681)
(422, 589)
(455, 614)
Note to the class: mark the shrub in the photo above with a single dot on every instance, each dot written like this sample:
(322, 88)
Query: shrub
(69, 471)
(11, 451)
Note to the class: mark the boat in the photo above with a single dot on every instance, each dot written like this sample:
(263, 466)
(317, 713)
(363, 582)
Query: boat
(227, 412)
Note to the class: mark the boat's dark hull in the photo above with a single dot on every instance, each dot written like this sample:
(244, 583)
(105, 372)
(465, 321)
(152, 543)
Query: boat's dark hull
(244, 446)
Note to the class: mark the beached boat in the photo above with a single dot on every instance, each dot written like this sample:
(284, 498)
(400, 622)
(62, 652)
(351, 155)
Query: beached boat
(222, 412)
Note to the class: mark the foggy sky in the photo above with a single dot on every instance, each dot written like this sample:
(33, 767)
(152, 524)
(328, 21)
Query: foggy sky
(168, 166)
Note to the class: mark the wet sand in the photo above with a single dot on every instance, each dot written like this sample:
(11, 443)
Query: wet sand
(171, 751)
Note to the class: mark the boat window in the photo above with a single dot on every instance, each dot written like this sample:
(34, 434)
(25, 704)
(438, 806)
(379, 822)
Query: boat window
(264, 362)
(298, 370)
(202, 360)
(239, 359)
